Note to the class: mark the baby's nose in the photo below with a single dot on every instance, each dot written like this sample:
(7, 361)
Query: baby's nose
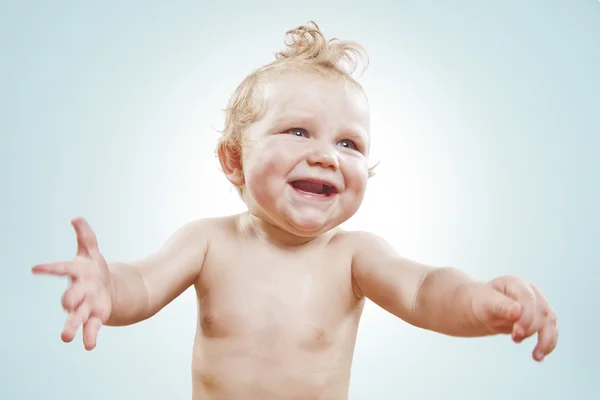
(324, 157)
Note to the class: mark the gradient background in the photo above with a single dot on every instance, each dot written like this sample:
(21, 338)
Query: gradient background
(486, 120)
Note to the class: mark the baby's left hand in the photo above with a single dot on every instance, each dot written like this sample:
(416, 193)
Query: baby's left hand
(511, 305)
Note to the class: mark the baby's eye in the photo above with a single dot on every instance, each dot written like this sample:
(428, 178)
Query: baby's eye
(348, 144)
(298, 132)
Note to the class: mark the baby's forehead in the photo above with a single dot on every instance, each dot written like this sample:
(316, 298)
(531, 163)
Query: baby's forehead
(314, 96)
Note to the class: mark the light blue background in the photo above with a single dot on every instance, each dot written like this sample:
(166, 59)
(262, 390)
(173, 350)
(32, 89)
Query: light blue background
(486, 120)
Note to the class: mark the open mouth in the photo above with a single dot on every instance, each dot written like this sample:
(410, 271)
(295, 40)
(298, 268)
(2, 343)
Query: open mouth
(314, 188)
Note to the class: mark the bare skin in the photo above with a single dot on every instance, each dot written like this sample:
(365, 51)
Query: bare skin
(281, 288)
(273, 322)
(280, 321)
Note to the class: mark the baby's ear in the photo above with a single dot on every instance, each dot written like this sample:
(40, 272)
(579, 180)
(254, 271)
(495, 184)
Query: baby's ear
(230, 157)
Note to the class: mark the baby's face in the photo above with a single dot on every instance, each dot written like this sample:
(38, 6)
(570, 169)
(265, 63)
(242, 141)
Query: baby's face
(306, 161)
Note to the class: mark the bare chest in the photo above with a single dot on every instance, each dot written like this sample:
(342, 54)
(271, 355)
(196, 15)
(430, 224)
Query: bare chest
(291, 299)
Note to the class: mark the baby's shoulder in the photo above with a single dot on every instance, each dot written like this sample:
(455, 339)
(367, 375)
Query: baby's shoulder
(349, 239)
(359, 241)
(204, 229)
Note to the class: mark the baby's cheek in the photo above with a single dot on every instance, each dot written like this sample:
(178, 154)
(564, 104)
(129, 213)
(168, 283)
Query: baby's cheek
(356, 175)
(267, 173)
(275, 166)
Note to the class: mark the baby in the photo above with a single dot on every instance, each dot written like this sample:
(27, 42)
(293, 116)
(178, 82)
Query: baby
(281, 287)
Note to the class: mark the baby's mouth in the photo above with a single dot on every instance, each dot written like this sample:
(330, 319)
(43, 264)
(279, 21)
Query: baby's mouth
(314, 188)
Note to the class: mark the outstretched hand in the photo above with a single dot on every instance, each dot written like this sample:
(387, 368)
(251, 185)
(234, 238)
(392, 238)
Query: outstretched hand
(88, 300)
(513, 306)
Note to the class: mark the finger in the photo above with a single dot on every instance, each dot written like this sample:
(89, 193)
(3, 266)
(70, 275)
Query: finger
(542, 312)
(87, 243)
(90, 332)
(62, 268)
(74, 321)
(541, 298)
(547, 339)
(73, 297)
(525, 296)
(503, 308)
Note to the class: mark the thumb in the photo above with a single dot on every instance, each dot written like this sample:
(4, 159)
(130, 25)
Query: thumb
(499, 306)
(86, 238)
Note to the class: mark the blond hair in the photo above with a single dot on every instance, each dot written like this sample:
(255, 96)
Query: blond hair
(307, 50)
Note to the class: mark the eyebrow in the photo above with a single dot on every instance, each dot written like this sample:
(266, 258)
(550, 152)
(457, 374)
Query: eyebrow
(281, 122)
(291, 119)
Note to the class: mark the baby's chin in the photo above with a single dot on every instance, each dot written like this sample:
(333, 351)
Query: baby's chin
(308, 227)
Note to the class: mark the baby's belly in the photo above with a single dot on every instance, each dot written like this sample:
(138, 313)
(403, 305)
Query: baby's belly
(250, 368)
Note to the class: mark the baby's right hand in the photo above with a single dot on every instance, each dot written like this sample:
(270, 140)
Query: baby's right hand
(89, 298)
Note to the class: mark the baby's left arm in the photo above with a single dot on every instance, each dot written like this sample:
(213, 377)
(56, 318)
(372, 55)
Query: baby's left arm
(448, 301)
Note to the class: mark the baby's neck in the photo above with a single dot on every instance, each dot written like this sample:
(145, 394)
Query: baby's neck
(267, 232)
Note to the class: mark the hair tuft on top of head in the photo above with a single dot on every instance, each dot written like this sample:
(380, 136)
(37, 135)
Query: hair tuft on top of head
(306, 43)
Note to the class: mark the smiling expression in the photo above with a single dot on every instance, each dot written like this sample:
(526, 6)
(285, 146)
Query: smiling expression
(305, 160)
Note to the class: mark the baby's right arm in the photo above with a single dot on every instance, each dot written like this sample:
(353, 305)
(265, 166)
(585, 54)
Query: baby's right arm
(143, 288)
(120, 294)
